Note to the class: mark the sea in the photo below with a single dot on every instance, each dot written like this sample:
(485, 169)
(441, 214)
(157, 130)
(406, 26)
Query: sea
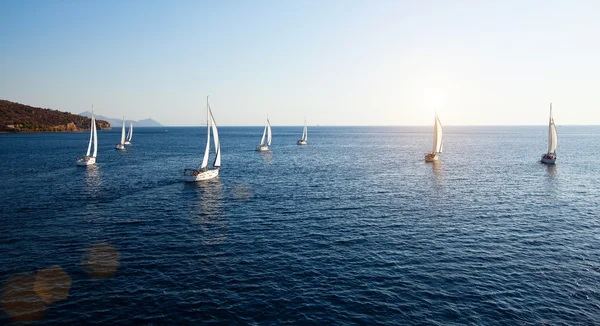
(352, 229)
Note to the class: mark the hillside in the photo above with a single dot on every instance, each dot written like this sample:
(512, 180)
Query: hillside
(117, 122)
(16, 117)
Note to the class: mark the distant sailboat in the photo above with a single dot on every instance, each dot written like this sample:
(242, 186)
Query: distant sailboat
(437, 141)
(304, 139)
(87, 159)
(121, 145)
(129, 134)
(267, 132)
(550, 157)
(204, 173)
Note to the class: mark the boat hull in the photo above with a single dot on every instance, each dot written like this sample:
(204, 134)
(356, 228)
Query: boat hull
(127, 143)
(191, 175)
(548, 159)
(302, 142)
(431, 157)
(120, 146)
(85, 161)
(262, 148)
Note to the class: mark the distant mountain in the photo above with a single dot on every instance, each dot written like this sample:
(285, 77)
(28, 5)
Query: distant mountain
(117, 122)
(16, 117)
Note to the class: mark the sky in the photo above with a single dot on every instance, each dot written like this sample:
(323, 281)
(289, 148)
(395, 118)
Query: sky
(335, 62)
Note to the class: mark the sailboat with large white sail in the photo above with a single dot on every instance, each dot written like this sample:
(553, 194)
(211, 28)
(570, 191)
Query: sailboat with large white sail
(304, 139)
(90, 159)
(129, 134)
(437, 141)
(121, 145)
(204, 173)
(264, 146)
(550, 157)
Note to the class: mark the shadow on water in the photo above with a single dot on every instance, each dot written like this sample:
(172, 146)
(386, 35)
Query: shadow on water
(206, 210)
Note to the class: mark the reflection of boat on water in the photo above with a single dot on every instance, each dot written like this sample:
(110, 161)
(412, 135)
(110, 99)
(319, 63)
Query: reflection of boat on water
(93, 180)
(207, 212)
(438, 171)
(267, 156)
(551, 170)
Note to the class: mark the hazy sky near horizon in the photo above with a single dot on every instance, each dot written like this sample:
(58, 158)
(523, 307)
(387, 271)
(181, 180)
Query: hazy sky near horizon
(334, 62)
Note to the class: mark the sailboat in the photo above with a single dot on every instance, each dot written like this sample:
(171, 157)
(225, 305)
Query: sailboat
(550, 157)
(267, 132)
(204, 173)
(121, 145)
(304, 139)
(87, 159)
(129, 134)
(437, 141)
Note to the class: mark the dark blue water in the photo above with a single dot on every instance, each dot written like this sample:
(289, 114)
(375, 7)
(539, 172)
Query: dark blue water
(355, 228)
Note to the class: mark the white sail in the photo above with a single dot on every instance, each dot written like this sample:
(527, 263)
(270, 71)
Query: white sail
(437, 136)
(130, 132)
(207, 150)
(262, 140)
(217, 162)
(305, 132)
(268, 133)
(552, 135)
(123, 132)
(91, 134)
(95, 135)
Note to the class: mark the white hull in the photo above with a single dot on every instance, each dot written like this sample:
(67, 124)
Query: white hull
(191, 175)
(262, 148)
(302, 142)
(120, 146)
(548, 159)
(85, 161)
(431, 157)
(127, 143)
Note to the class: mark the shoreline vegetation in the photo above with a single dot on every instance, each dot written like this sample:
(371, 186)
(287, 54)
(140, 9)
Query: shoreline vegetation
(21, 118)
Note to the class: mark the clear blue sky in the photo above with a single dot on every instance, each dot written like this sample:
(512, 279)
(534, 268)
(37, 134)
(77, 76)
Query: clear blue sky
(335, 62)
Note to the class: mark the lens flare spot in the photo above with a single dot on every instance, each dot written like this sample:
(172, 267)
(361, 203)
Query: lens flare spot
(52, 284)
(19, 300)
(101, 260)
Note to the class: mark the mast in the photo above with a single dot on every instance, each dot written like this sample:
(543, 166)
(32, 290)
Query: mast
(207, 150)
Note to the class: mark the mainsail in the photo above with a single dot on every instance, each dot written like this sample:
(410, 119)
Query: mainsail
(437, 136)
(91, 135)
(268, 133)
(123, 132)
(305, 132)
(552, 135)
(217, 162)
